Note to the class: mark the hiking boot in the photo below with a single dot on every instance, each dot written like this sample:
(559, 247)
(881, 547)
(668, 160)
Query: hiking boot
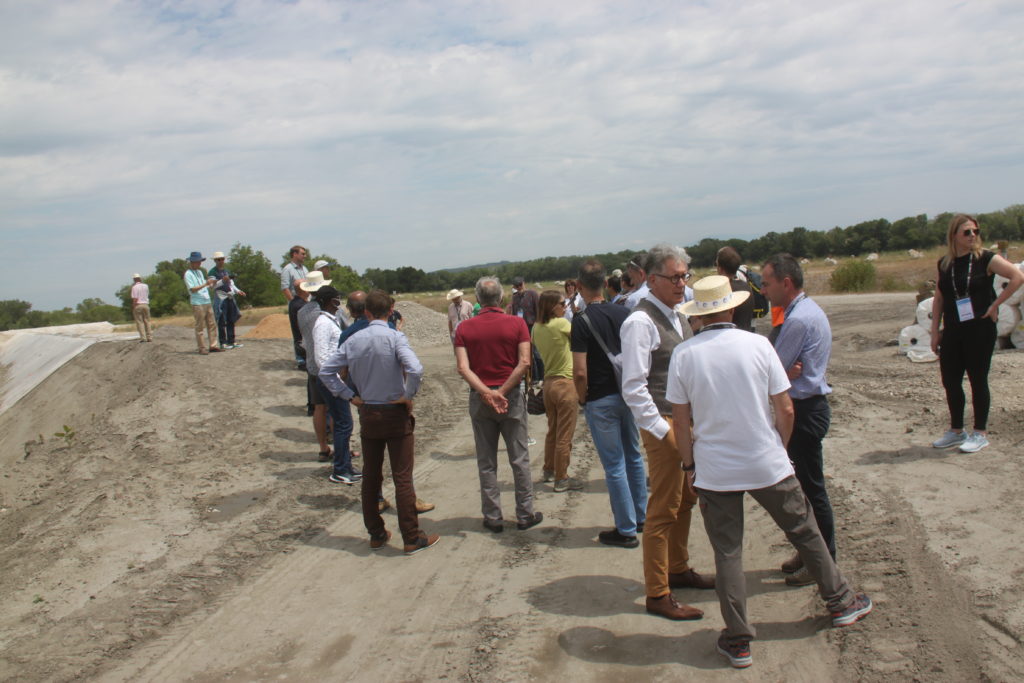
(533, 521)
(736, 651)
(378, 542)
(801, 577)
(423, 506)
(854, 612)
(613, 537)
(974, 443)
(691, 579)
(422, 542)
(950, 438)
(667, 606)
(793, 564)
(568, 485)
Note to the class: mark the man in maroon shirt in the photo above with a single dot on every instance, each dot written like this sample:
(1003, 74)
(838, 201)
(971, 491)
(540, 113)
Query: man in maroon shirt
(492, 352)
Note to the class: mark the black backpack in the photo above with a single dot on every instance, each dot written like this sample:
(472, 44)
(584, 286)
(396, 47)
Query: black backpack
(761, 306)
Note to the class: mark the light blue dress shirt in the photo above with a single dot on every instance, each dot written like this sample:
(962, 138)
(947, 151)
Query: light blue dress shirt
(806, 336)
(381, 365)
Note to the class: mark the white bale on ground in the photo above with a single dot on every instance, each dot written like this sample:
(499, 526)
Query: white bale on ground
(831, 261)
(1000, 283)
(1017, 336)
(914, 336)
(914, 253)
(920, 354)
(871, 257)
(924, 313)
(1009, 320)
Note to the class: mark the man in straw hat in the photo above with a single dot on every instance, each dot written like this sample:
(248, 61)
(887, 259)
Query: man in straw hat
(199, 286)
(649, 335)
(306, 317)
(458, 310)
(737, 447)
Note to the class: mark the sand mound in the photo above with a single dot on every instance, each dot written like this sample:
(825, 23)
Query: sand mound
(274, 326)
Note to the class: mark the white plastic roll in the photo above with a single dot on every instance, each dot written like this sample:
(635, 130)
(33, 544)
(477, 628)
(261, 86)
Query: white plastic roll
(914, 336)
(1009, 319)
(1017, 336)
(1001, 282)
(924, 313)
(918, 354)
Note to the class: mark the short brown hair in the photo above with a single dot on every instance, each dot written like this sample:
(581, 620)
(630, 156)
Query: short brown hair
(378, 303)
(549, 298)
(728, 259)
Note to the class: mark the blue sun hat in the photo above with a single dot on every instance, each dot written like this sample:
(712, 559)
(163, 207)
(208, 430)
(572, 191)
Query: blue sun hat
(195, 256)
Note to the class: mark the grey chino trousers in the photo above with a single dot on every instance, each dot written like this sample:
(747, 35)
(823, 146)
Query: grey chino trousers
(787, 505)
(511, 426)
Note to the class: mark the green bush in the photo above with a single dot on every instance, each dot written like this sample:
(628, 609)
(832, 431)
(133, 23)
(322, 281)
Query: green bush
(853, 276)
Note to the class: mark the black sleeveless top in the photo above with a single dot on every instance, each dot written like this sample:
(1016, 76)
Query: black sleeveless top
(953, 282)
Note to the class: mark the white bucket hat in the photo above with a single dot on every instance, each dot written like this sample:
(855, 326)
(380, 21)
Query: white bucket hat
(314, 281)
(453, 294)
(713, 294)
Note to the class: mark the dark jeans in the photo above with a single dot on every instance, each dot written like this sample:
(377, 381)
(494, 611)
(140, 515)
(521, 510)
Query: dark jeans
(388, 426)
(225, 329)
(293, 312)
(340, 411)
(810, 425)
(967, 347)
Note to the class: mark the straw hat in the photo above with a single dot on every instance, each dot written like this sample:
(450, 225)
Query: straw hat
(217, 255)
(454, 294)
(713, 294)
(314, 281)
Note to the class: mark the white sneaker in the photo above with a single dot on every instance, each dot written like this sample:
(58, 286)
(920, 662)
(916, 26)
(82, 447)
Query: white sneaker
(974, 443)
(950, 438)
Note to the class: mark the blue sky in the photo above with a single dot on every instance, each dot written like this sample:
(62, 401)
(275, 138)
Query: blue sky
(439, 134)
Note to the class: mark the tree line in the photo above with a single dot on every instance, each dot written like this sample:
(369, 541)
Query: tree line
(261, 281)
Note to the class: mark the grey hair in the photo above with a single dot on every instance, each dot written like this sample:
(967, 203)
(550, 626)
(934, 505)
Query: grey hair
(489, 291)
(660, 254)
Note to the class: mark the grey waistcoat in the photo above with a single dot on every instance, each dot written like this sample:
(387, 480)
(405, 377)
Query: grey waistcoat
(657, 378)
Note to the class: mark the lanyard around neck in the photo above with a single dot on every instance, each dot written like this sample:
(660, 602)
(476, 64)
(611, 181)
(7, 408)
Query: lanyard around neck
(967, 282)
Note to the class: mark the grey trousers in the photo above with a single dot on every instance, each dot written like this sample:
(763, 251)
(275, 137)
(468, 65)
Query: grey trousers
(787, 505)
(487, 426)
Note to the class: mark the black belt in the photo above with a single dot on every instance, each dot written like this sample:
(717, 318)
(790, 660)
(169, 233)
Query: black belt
(383, 406)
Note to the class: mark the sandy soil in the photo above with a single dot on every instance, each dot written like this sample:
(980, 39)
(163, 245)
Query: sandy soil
(188, 533)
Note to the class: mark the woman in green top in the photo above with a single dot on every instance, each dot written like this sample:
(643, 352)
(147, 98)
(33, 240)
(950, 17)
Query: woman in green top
(551, 337)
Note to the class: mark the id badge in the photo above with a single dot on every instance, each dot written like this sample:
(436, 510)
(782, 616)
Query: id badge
(521, 314)
(964, 309)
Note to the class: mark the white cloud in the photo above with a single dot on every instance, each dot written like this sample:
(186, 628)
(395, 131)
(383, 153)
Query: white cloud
(442, 134)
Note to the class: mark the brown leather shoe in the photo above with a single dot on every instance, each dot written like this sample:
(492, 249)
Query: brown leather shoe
(378, 542)
(691, 579)
(793, 564)
(423, 506)
(667, 606)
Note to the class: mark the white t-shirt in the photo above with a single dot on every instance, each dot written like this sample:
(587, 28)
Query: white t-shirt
(727, 377)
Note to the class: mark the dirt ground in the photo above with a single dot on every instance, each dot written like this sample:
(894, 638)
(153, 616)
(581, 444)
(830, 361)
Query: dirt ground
(186, 532)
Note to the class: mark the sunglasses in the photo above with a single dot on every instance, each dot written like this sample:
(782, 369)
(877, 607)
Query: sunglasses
(976, 231)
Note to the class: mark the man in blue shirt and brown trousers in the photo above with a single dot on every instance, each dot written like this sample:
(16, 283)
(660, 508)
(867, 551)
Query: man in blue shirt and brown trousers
(804, 346)
(386, 375)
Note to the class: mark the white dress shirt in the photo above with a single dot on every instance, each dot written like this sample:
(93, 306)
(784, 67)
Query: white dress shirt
(639, 338)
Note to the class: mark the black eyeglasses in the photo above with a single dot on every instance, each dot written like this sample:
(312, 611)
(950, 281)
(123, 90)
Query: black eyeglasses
(675, 279)
(976, 231)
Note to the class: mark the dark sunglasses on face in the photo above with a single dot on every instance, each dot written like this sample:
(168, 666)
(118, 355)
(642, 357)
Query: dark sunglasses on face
(976, 231)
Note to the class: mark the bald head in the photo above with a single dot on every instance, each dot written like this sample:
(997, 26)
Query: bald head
(356, 303)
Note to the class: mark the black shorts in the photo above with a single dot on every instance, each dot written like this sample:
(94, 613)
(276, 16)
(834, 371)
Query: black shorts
(313, 395)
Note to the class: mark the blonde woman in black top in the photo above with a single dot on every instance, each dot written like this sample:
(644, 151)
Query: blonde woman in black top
(968, 307)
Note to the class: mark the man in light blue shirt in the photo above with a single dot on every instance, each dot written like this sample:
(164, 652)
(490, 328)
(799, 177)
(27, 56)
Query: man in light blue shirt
(386, 375)
(199, 286)
(804, 346)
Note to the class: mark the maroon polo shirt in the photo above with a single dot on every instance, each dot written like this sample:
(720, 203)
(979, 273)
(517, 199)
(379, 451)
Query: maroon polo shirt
(491, 340)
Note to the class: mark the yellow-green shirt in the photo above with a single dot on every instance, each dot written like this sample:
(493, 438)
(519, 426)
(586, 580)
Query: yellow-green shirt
(552, 341)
